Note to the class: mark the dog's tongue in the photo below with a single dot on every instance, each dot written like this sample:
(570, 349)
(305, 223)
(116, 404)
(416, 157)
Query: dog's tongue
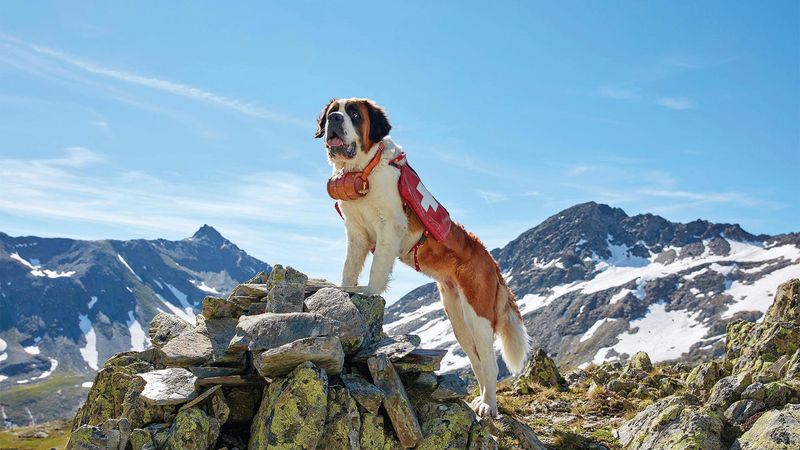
(335, 142)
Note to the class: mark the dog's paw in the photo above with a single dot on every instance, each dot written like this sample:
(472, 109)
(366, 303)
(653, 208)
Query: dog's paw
(483, 409)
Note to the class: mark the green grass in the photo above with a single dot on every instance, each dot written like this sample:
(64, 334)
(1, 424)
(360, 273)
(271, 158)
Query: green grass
(39, 391)
(21, 438)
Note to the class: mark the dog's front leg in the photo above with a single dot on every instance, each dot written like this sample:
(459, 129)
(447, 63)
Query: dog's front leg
(390, 237)
(357, 248)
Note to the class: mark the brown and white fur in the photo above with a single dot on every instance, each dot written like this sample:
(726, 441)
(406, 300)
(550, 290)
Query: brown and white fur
(473, 291)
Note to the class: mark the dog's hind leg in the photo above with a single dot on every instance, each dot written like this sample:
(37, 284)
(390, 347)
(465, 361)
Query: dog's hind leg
(451, 300)
(483, 345)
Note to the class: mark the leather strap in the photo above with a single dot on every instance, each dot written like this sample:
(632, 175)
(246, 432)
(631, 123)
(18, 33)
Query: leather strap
(373, 163)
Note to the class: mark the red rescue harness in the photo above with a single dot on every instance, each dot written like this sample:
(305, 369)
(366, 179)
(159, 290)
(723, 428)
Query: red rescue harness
(415, 195)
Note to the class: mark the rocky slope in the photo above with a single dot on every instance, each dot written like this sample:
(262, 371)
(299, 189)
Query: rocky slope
(746, 400)
(595, 284)
(67, 305)
(282, 362)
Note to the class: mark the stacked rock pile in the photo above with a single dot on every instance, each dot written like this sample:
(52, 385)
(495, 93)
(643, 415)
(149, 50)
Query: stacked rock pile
(283, 362)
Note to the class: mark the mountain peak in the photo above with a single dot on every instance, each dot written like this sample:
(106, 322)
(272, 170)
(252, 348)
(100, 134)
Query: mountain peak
(209, 233)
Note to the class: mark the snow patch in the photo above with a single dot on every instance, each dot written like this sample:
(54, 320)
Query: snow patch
(32, 350)
(89, 351)
(204, 287)
(92, 301)
(87, 384)
(593, 329)
(619, 296)
(37, 271)
(125, 263)
(138, 337)
(758, 296)
(663, 334)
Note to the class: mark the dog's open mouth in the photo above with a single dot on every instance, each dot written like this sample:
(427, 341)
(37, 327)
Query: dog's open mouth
(336, 145)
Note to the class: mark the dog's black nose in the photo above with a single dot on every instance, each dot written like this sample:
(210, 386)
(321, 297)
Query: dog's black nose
(336, 117)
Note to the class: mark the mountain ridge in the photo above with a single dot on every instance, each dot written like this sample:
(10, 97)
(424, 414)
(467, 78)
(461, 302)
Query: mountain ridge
(588, 276)
(66, 305)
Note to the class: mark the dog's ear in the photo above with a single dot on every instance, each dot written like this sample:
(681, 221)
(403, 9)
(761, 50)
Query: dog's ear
(379, 126)
(322, 120)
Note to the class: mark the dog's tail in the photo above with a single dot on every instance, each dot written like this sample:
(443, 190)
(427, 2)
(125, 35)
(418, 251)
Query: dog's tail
(514, 340)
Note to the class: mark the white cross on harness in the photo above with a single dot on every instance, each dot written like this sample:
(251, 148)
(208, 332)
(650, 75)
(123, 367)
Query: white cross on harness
(427, 198)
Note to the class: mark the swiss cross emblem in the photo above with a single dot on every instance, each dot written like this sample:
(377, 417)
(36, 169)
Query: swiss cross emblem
(427, 201)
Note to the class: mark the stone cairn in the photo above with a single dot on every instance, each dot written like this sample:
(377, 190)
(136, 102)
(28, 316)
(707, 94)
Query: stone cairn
(283, 363)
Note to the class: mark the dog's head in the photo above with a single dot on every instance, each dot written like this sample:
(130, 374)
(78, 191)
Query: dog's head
(350, 128)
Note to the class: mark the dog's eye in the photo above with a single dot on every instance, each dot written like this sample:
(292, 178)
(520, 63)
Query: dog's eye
(354, 114)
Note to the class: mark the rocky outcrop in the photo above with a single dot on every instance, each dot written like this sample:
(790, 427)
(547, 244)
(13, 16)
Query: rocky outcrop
(749, 399)
(279, 364)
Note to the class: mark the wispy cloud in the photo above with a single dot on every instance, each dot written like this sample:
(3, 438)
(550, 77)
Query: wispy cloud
(706, 197)
(577, 170)
(491, 196)
(619, 93)
(676, 103)
(19, 59)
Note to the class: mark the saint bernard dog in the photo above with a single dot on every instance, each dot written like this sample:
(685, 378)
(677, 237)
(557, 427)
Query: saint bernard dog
(474, 294)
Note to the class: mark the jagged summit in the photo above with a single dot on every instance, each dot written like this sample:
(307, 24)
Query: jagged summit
(210, 234)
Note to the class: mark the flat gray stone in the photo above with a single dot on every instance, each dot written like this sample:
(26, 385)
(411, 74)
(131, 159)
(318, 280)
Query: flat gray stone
(393, 347)
(267, 331)
(172, 386)
(219, 308)
(396, 401)
(190, 348)
(164, 327)
(325, 352)
(420, 360)
(365, 393)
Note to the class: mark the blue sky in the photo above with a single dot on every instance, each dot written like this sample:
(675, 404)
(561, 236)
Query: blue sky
(130, 119)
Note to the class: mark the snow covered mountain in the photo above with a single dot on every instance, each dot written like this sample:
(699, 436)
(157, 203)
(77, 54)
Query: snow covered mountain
(67, 305)
(595, 284)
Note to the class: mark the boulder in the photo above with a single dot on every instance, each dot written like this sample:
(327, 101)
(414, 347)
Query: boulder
(365, 393)
(335, 304)
(173, 386)
(371, 309)
(219, 308)
(164, 327)
(293, 411)
(212, 401)
(396, 402)
(420, 360)
(266, 331)
(640, 361)
(110, 388)
(672, 422)
(727, 390)
(192, 429)
(190, 348)
(393, 347)
(343, 422)
(325, 352)
(445, 425)
(703, 377)
(141, 439)
(774, 430)
(742, 410)
(540, 370)
(449, 387)
(286, 290)
(113, 434)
